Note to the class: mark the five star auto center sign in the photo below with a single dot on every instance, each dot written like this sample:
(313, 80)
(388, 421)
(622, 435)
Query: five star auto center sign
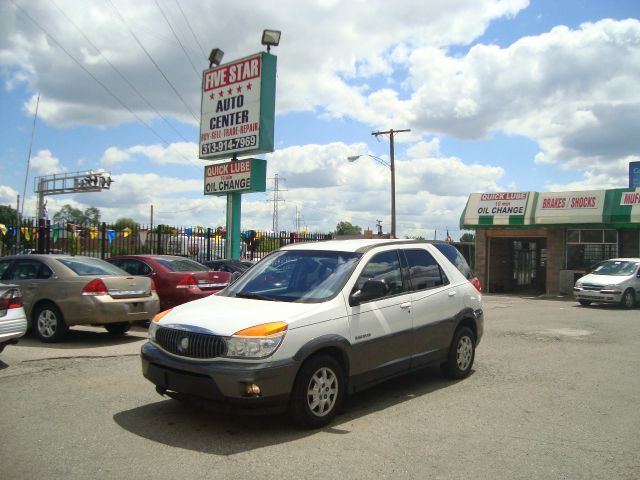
(238, 107)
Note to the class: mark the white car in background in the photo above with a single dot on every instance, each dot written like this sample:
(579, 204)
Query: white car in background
(13, 321)
(612, 281)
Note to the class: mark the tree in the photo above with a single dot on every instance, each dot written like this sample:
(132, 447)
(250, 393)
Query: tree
(467, 238)
(346, 228)
(8, 215)
(74, 215)
(125, 222)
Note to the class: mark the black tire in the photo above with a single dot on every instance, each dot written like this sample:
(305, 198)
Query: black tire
(461, 354)
(628, 299)
(317, 392)
(584, 302)
(119, 328)
(48, 323)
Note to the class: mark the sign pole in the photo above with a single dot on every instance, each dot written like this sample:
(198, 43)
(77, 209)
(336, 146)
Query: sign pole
(234, 210)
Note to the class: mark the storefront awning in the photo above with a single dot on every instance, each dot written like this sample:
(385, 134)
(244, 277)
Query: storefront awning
(602, 208)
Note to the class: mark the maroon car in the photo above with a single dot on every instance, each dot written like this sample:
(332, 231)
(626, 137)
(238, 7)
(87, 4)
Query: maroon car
(178, 280)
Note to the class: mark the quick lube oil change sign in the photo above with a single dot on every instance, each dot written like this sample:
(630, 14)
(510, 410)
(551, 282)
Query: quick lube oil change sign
(238, 107)
(248, 175)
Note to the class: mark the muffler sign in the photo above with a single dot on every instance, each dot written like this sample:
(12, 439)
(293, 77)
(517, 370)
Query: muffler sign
(248, 175)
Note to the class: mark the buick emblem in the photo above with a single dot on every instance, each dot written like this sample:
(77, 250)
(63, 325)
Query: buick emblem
(183, 345)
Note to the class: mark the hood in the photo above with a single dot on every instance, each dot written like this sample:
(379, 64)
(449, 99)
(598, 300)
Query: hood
(594, 279)
(227, 315)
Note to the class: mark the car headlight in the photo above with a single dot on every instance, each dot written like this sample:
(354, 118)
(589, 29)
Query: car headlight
(155, 324)
(578, 285)
(615, 288)
(256, 342)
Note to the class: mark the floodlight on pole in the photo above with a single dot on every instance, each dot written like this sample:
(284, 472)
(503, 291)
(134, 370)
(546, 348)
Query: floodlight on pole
(271, 38)
(215, 57)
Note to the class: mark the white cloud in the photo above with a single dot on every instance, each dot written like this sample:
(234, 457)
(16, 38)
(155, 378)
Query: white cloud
(573, 91)
(44, 163)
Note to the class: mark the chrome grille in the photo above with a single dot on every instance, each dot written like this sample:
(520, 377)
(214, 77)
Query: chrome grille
(198, 345)
(590, 287)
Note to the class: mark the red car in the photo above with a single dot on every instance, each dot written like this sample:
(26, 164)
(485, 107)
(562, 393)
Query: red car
(178, 279)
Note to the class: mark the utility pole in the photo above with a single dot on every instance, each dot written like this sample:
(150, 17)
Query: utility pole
(391, 133)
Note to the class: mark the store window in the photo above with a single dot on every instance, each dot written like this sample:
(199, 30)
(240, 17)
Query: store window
(585, 248)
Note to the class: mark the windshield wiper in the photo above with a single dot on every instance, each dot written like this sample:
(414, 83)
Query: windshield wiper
(255, 296)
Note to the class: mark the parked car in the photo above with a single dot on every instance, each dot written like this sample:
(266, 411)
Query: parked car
(612, 281)
(13, 321)
(228, 265)
(177, 279)
(60, 291)
(348, 314)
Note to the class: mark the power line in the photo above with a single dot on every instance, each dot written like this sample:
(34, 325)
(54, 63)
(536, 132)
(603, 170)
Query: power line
(204, 55)
(135, 37)
(177, 39)
(77, 62)
(122, 76)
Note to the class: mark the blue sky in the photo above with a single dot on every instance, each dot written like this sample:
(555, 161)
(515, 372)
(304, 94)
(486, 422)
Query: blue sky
(505, 95)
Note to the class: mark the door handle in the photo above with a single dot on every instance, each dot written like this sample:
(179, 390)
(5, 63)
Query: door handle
(405, 305)
(452, 293)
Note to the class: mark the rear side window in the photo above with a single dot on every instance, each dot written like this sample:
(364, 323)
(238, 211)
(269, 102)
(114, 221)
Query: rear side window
(133, 267)
(29, 270)
(424, 271)
(455, 257)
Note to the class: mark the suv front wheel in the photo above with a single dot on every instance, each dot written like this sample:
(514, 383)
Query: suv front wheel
(317, 392)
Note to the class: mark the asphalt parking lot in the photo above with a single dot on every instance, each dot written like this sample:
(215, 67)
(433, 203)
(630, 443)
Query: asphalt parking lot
(554, 394)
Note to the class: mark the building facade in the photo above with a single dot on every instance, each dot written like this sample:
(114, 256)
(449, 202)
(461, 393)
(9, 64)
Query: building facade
(540, 242)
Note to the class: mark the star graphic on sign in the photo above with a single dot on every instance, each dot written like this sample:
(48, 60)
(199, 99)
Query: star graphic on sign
(239, 89)
(221, 94)
(212, 95)
(248, 86)
(230, 91)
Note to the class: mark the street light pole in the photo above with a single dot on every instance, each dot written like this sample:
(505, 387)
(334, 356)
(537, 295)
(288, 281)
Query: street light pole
(391, 133)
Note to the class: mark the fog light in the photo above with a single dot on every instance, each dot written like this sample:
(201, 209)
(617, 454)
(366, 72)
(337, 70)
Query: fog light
(252, 389)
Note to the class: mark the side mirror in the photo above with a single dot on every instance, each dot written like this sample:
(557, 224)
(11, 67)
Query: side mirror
(371, 290)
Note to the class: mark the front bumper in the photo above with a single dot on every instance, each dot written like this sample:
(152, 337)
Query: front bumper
(603, 296)
(220, 381)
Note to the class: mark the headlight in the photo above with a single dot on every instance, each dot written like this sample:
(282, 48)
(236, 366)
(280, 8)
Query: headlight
(256, 342)
(153, 328)
(155, 324)
(578, 284)
(615, 288)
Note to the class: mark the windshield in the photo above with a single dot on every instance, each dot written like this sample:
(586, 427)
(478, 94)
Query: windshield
(306, 276)
(620, 268)
(182, 265)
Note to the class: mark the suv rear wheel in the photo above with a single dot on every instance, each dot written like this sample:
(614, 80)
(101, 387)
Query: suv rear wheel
(461, 354)
(317, 392)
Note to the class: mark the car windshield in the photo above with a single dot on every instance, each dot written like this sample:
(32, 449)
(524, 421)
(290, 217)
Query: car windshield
(620, 268)
(91, 266)
(305, 276)
(182, 265)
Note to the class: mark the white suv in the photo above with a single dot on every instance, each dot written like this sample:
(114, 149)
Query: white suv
(314, 321)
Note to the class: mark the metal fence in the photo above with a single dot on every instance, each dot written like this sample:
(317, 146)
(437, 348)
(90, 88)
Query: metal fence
(104, 240)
